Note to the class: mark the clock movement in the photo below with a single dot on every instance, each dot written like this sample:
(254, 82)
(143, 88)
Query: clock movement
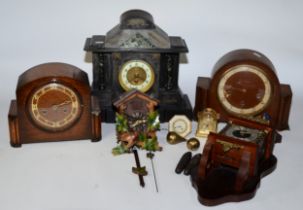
(53, 103)
(137, 54)
(244, 83)
(233, 162)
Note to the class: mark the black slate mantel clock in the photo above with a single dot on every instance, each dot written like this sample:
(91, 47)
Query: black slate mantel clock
(137, 54)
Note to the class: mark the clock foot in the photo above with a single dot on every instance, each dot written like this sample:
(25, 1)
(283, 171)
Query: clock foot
(15, 145)
(96, 140)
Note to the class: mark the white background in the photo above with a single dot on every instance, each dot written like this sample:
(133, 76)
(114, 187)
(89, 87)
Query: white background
(84, 175)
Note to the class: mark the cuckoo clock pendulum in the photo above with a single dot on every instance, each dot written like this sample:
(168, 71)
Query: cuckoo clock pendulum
(137, 54)
(137, 122)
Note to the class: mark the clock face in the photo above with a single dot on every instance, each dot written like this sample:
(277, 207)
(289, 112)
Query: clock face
(181, 125)
(54, 107)
(207, 122)
(136, 74)
(137, 122)
(244, 90)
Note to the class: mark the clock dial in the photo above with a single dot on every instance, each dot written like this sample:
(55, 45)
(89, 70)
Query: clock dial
(244, 90)
(136, 74)
(180, 124)
(54, 107)
(207, 122)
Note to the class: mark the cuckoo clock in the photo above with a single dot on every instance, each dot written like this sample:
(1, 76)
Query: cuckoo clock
(137, 121)
(53, 103)
(137, 54)
(244, 84)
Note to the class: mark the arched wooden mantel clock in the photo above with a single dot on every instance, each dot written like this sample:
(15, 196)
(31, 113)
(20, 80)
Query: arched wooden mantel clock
(137, 54)
(54, 103)
(244, 83)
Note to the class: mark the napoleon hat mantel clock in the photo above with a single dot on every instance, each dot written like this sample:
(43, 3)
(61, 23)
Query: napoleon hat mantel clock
(244, 84)
(53, 103)
(137, 54)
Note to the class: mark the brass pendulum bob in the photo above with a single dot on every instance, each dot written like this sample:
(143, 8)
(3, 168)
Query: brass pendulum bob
(193, 144)
(174, 138)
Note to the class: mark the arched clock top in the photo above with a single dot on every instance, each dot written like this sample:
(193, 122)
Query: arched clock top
(53, 71)
(244, 56)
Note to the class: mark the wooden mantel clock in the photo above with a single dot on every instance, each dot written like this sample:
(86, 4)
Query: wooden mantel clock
(234, 161)
(244, 84)
(137, 54)
(53, 103)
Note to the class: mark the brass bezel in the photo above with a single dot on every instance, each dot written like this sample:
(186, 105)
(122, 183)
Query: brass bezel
(145, 88)
(48, 127)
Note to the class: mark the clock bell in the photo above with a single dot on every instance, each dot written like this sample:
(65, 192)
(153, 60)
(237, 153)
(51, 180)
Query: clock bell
(137, 54)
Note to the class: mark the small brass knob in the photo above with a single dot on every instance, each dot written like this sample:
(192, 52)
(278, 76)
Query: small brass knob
(193, 144)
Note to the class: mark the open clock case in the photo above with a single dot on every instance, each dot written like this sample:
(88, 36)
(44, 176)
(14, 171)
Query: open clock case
(234, 161)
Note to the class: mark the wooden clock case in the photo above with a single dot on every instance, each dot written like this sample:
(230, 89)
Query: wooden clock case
(279, 106)
(24, 130)
(230, 169)
(137, 37)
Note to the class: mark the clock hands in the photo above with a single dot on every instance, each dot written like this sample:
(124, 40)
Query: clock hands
(179, 127)
(231, 88)
(56, 106)
(137, 122)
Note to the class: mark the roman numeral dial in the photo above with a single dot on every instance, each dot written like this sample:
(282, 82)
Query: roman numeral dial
(54, 107)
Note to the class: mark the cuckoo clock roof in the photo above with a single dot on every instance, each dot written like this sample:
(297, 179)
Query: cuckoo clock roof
(134, 95)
